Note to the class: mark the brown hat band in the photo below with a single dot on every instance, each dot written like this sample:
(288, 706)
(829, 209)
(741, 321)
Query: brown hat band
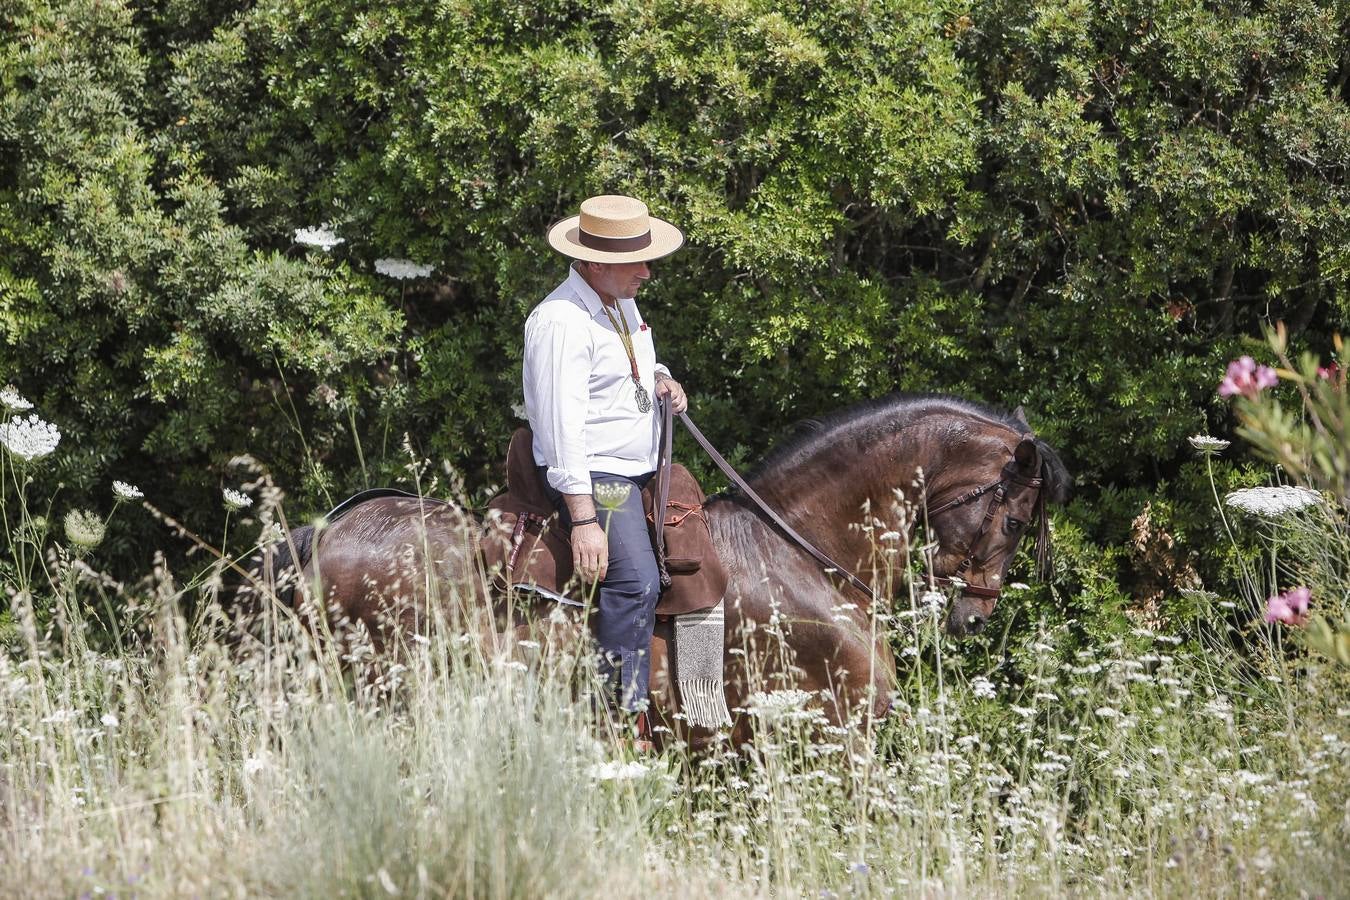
(615, 245)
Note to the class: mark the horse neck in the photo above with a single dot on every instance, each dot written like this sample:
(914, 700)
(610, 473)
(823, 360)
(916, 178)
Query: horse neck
(827, 488)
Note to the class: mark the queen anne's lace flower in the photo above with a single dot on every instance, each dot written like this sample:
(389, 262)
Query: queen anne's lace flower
(1272, 502)
(12, 400)
(983, 688)
(776, 704)
(931, 604)
(617, 771)
(612, 494)
(124, 491)
(402, 269)
(322, 237)
(84, 528)
(1206, 444)
(30, 438)
(236, 500)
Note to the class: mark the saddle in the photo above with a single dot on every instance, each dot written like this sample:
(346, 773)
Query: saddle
(532, 550)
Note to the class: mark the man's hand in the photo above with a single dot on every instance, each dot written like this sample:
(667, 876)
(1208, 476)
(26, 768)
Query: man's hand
(590, 553)
(669, 387)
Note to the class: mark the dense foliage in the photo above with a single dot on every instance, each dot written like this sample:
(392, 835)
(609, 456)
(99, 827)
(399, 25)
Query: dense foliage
(1080, 207)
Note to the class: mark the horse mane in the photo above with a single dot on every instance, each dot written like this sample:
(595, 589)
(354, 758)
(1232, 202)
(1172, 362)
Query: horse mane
(886, 414)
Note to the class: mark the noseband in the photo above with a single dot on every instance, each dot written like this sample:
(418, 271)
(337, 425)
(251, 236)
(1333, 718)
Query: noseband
(1000, 489)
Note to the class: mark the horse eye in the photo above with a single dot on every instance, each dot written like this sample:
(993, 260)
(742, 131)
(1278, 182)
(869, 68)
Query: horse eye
(1014, 524)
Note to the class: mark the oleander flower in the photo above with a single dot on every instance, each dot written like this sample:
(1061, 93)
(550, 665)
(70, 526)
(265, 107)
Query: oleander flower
(322, 237)
(12, 400)
(402, 269)
(1245, 377)
(1272, 502)
(1291, 607)
(84, 528)
(236, 500)
(124, 491)
(1206, 444)
(29, 439)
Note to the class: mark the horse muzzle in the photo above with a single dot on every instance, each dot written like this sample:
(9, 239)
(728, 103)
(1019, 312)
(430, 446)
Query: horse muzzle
(970, 611)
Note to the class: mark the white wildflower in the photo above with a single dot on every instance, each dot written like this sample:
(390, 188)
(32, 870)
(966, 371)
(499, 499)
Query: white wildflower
(617, 771)
(253, 765)
(983, 687)
(1206, 444)
(29, 439)
(124, 491)
(773, 704)
(236, 500)
(84, 528)
(1107, 712)
(1272, 502)
(109, 720)
(612, 494)
(402, 269)
(890, 536)
(518, 410)
(12, 400)
(322, 237)
(931, 603)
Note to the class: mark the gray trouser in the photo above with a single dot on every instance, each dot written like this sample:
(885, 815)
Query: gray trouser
(628, 595)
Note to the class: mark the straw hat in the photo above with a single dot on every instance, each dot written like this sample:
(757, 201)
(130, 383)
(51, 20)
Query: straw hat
(615, 229)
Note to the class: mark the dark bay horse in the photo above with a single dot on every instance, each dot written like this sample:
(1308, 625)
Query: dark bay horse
(979, 478)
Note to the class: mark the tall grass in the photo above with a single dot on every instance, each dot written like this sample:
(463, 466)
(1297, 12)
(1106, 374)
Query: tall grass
(190, 759)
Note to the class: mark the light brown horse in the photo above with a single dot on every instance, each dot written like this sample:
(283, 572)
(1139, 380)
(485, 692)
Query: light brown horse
(982, 477)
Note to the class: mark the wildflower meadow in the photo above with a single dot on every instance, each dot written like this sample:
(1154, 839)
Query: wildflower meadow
(151, 748)
(257, 256)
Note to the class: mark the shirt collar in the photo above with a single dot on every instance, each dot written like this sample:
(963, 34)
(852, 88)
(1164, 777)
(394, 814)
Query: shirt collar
(583, 290)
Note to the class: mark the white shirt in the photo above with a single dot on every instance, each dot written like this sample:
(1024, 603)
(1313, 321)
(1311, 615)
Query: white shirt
(579, 392)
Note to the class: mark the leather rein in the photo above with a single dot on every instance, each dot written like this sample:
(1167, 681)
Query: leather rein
(1000, 489)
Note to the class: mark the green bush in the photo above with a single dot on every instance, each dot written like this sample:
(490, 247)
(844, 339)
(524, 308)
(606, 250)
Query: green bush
(1079, 207)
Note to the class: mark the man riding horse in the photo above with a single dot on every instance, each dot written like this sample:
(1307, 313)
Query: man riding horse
(590, 373)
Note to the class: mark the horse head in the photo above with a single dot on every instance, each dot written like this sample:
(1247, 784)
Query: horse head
(1001, 496)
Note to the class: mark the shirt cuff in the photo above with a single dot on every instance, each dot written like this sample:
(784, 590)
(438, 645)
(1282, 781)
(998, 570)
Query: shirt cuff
(565, 482)
(662, 370)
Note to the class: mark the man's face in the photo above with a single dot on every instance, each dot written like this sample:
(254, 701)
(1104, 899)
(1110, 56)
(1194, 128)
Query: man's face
(615, 280)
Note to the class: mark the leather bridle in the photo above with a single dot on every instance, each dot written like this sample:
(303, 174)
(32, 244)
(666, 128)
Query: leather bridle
(1000, 489)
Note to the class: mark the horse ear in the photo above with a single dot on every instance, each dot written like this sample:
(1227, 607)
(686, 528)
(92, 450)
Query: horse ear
(1027, 455)
(1020, 415)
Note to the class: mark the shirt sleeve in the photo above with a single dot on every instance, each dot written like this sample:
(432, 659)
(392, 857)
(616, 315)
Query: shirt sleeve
(556, 374)
(662, 370)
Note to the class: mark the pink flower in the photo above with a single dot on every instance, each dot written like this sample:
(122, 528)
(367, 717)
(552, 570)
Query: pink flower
(1245, 377)
(1291, 607)
(1329, 371)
